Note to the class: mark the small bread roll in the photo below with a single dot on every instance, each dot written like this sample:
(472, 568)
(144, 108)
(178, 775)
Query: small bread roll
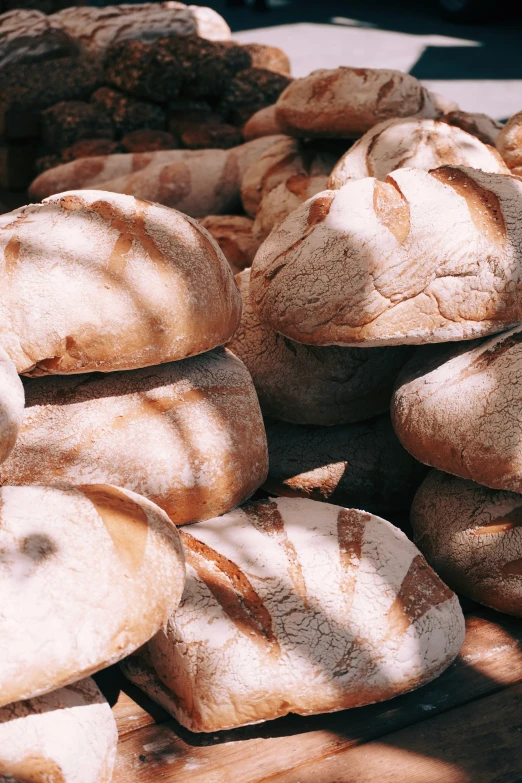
(472, 536)
(98, 281)
(67, 736)
(233, 233)
(87, 575)
(296, 606)
(509, 141)
(188, 435)
(12, 400)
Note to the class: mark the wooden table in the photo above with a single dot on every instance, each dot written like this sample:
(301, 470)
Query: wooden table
(465, 727)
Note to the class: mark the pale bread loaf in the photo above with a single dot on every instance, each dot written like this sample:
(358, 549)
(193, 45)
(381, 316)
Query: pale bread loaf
(188, 435)
(27, 36)
(67, 736)
(99, 281)
(277, 204)
(460, 410)
(413, 143)
(480, 125)
(346, 102)
(297, 606)
(309, 385)
(233, 233)
(509, 141)
(262, 123)
(472, 536)
(88, 574)
(424, 257)
(361, 465)
(12, 400)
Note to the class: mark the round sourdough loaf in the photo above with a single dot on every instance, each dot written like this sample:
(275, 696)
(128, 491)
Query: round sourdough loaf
(509, 142)
(99, 281)
(296, 606)
(413, 143)
(12, 400)
(309, 385)
(188, 435)
(87, 575)
(472, 536)
(361, 465)
(480, 125)
(346, 102)
(423, 257)
(233, 233)
(459, 409)
(67, 736)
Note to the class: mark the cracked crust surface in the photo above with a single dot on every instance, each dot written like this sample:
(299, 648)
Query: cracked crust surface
(98, 281)
(12, 400)
(188, 435)
(88, 574)
(309, 385)
(297, 606)
(509, 141)
(423, 257)
(472, 536)
(68, 736)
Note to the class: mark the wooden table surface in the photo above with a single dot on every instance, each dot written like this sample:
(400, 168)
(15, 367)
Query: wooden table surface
(465, 727)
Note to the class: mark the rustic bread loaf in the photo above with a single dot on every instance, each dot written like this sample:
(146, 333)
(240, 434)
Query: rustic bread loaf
(262, 123)
(308, 385)
(272, 58)
(188, 435)
(103, 565)
(12, 400)
(460, 411)
(424, 257)
(509, 141)
(472, 536)
(68, 735)
(480, 125)
(98, 281)
(361, 465)
(296, 606)
(27, 35)
(413, 143)
(346, 102)
(278, 203)
(233, 233)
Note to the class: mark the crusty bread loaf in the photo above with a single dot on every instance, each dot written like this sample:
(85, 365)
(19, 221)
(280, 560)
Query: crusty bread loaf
(188, 435)
(262, 123)
(296, 606)
(361, 465)
(424, 257)
(277, 204)
(12, 402)
(460, 410)
(308, 385)
(27, 35)
(480, 125)
(413, 143)
(472, 537)
(103, 566)
(509, 141)
(207, 180)
(99, 281)
(67, 736)
(233, 233)
(346, 102)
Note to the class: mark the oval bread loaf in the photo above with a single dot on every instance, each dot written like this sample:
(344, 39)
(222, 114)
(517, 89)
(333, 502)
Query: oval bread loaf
(413, 143)
(12, 400)
(233, 233)
(103, 566)
(309, 385)
(188, 435)
(423, 257)
(472, 536)
(67, 736)
(277, 204)
(97, 281)
(296, 606)
(509, 142)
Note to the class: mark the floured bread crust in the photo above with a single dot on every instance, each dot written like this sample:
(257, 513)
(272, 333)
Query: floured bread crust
(233, 233)
(97, 281)
(480, 125)
(309, 385)
(297, 606)
(12, 400)
(88, 574)
(423, 257)
(472, 536)
(460, 411)
(509, 141)
(346, 102)
(67, 736)
(188, 435)
(277, 204)
(413, 143)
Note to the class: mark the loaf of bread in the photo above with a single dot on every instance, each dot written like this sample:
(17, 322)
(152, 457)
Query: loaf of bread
(103, 566)
(480, 125)
(277, 204)
(509, 143)
(67, 736)
(12, 400)
(262, 123)
(460, 410)
(413, 143)
(472, 537)
(99, 281)
(233, 233)
(188, 435)
(297, 606)
(28, 35)
(308, 385)
(423, 257)
(361, 465)
(346, 102)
